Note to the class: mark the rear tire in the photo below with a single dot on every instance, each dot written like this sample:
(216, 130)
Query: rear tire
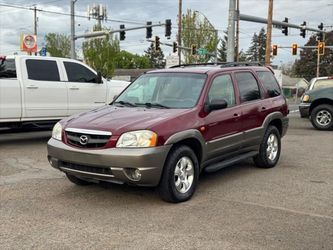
(270, 148)
(77, 181)
(322, 117)
(180, 175)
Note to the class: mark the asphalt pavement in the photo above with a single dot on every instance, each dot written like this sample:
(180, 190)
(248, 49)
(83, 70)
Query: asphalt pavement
(239, 207)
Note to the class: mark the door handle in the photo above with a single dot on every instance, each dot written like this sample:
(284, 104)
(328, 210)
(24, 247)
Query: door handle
(263, 108)
(74, 88)
(32, 87)
(236, 115)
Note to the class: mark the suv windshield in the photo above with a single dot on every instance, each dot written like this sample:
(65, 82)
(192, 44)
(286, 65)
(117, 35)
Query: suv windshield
(324, 83)
(164, 90)
(7, 68)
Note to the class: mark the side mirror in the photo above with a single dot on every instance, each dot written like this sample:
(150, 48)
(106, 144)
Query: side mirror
(99, 78)
(216, 104)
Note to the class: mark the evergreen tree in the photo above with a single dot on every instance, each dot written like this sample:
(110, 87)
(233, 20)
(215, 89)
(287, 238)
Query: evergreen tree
(156, 58)
(222, 50)
(257, 50)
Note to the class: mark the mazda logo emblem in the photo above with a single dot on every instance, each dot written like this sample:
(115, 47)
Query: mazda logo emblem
(84, 139)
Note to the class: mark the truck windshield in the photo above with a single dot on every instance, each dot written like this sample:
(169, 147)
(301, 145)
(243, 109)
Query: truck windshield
(164, 90)
(324, 83)
(7, 68)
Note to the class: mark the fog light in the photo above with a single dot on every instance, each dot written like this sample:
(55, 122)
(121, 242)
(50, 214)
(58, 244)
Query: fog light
(133, 174)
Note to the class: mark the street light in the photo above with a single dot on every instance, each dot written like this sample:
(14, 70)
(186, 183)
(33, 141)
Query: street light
(215, 30)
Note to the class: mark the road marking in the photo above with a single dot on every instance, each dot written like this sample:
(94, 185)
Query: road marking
(284, 209)
(293, 111)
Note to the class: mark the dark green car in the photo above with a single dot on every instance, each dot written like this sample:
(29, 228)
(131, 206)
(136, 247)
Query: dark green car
(317, 104)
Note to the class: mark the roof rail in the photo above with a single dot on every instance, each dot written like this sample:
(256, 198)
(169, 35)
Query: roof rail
(221, 64)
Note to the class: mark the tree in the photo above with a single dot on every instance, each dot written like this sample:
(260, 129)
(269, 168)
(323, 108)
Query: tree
(126, 60)
(222, 50)
(156, 58)
(200, 33)
(307, 64)
(257, 49)
(58, 45)
(100, 53)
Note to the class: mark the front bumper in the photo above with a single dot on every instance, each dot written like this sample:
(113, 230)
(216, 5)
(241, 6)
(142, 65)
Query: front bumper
(112, 164)
(304, 109)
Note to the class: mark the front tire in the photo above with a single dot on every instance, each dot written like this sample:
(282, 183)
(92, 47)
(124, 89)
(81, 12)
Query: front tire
(77, 181)
(322, 117)
(270, 148)
(180, 175)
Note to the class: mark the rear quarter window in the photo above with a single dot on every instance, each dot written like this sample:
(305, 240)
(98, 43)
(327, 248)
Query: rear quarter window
(270, 83)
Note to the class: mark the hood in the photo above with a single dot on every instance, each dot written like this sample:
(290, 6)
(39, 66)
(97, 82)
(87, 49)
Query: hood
(322, 91)
(118, 120)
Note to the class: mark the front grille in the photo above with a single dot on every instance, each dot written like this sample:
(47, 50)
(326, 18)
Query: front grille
(93, 141)
(84, 168)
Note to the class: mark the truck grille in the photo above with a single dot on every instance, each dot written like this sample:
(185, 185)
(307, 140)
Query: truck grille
(84, 168)
(87, 138)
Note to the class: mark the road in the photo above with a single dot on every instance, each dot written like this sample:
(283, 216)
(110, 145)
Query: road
(240, 207)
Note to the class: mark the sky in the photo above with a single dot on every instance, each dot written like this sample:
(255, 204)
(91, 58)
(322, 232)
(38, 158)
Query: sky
(133, 13)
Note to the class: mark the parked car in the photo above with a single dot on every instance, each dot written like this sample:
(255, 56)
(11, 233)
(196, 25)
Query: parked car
(43, 90)
(171, 124)
(317, 104)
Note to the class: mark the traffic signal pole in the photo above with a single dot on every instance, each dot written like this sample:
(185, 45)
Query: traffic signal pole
(105, 32)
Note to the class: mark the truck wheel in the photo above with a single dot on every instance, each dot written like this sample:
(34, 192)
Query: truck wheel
(270, 148)
(180, 175)
(322, 117)
(77, 181)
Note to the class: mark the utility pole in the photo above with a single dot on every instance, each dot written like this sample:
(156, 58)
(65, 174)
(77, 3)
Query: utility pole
(180, 30)
(269, 33)
(73, 56)
(231, 32)
(35, 24)
(237, 32)
(318, 62)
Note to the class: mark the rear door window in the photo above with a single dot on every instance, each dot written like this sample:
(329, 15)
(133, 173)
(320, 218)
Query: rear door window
(79, 73)
(248, 87)
(270, 83)
(42, 70)
(7, 68)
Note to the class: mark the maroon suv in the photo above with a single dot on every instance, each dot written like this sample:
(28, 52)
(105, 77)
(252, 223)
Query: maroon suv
(169, 125)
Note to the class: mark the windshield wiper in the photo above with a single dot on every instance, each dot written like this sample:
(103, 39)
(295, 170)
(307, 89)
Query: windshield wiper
(128, 104)
(153, 105)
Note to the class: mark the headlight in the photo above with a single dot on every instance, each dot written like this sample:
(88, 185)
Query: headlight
(306, 98)
(57, 131)
(140, 139)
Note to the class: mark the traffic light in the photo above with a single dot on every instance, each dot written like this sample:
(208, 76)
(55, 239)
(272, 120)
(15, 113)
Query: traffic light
(320, 36)
(294, 49)
(168, 28)
(149, 31)
(122, 33)
(157, 44)
(302, 34)
(174, 47)
(193, 49)
(274, 50)
(285, 29)
(321, 48)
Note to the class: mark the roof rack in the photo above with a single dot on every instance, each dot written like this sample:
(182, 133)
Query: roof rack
(221, 64)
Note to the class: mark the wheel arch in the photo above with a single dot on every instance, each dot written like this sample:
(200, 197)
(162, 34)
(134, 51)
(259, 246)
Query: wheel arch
(320, 102)
(191, 138)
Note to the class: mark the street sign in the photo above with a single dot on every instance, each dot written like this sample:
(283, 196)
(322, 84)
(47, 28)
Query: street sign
(29, 43)
(43, 51)
(202, 51)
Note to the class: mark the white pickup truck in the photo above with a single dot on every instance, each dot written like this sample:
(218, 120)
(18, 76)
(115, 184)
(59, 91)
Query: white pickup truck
(41, 90)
